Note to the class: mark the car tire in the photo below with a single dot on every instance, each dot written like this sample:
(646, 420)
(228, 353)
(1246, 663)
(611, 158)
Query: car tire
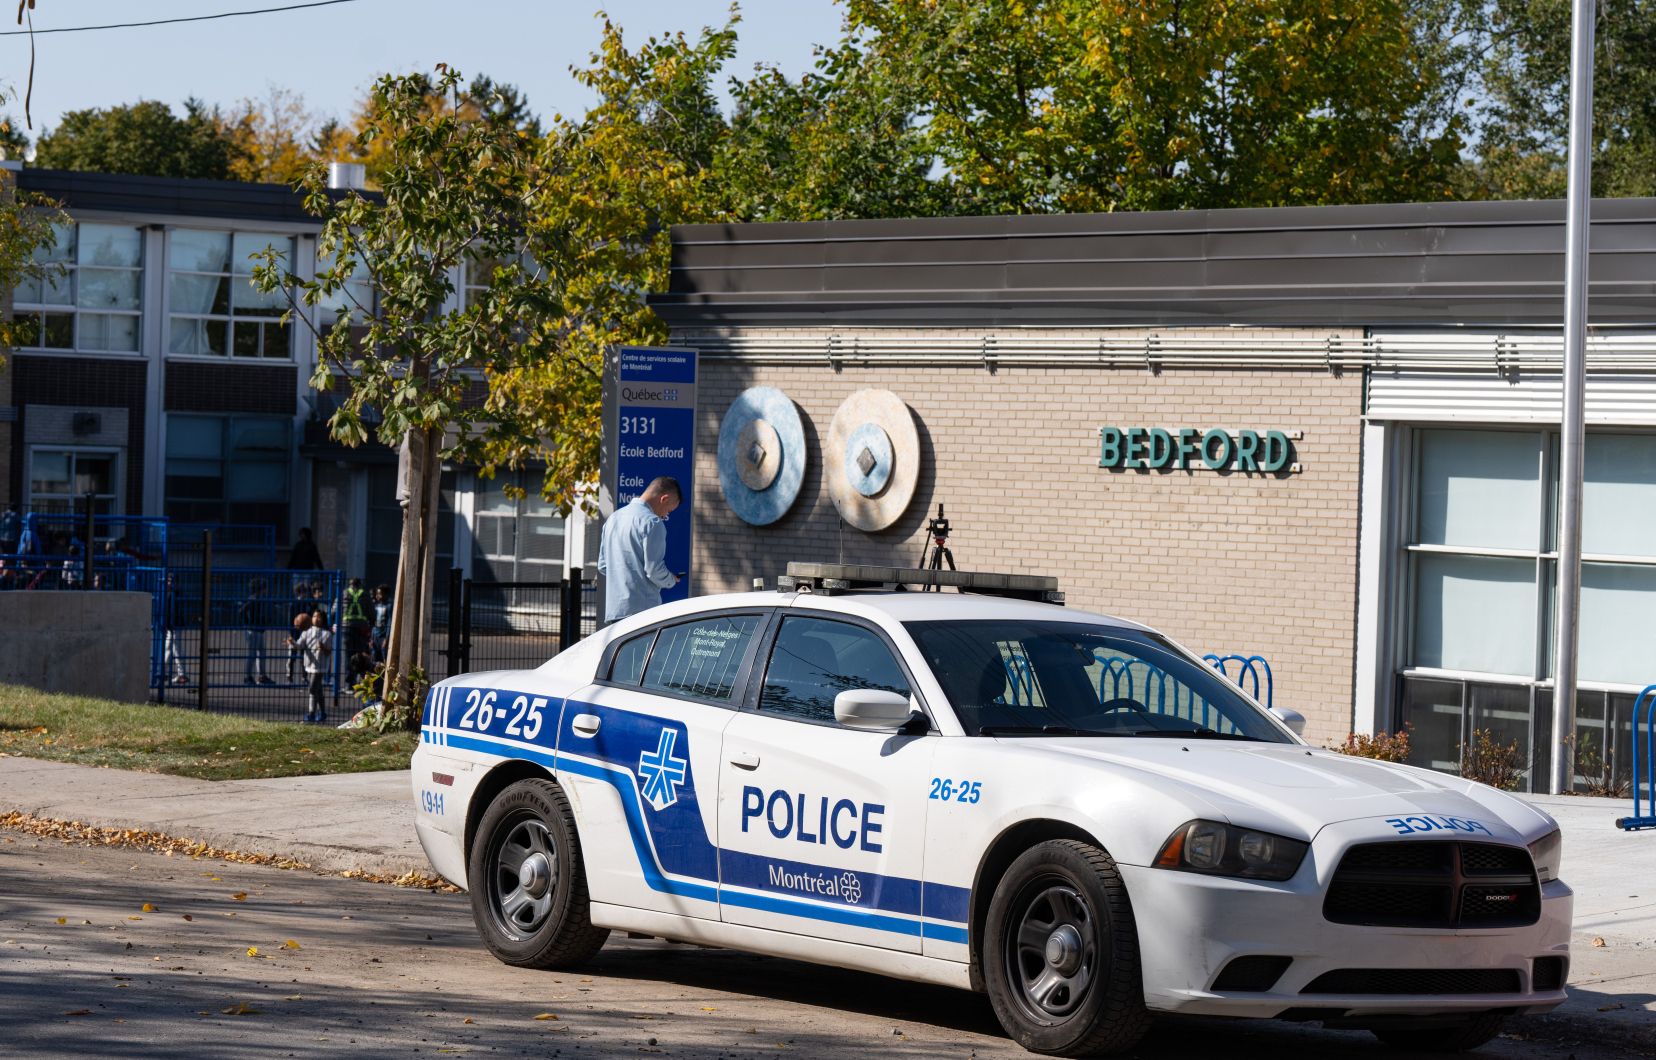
(528, 884)
(1455, 1036)
(1060, 956)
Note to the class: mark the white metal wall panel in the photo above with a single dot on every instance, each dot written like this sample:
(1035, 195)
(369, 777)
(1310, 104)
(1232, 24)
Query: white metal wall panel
(1622, 400)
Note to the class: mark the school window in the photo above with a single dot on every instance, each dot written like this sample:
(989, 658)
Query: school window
(213, 309)
(59, 479)
(228, 469)
(515, 539)
(89, 300)
(1481, 570)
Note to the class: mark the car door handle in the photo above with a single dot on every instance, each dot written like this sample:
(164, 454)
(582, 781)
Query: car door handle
(745, 760)
(585, 725)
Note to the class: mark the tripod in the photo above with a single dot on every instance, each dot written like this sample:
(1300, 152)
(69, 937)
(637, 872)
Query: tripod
(933, 556)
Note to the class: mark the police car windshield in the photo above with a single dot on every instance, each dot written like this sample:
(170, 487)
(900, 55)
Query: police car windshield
(1071, 679)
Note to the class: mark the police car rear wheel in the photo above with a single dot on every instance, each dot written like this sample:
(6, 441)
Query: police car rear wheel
(1060, 953)
(528, 887)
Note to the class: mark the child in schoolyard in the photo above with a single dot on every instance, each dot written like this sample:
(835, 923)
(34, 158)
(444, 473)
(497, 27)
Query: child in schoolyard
(316, 646)
(382, 621)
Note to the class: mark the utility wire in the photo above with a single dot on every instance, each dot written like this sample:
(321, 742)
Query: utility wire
(170, 21)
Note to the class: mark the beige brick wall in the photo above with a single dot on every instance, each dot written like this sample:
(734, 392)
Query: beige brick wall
(1233, 562)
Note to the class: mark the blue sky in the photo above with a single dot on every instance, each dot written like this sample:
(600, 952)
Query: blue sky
(331, 54)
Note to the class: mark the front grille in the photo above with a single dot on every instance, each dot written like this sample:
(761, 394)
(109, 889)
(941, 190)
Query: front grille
(1442, 885)
(1421, 981)
(1254, 973)
(1550, 973)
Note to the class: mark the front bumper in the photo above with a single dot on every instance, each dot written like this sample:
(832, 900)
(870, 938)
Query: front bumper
(1190, 926)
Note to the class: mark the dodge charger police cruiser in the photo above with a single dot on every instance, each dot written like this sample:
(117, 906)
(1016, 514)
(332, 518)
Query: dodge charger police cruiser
(1068, 812)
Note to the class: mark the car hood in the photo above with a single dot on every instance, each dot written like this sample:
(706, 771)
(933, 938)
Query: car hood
(1302, 789)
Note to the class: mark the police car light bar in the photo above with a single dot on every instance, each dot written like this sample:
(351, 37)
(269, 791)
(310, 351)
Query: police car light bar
(830, 578)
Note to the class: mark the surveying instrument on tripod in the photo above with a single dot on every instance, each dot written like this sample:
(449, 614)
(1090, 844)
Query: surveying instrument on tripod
(933, 556)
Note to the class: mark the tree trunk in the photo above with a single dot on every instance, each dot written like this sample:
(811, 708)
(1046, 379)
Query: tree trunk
(411, 604)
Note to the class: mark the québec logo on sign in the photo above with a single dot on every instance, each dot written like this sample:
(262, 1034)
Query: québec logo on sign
(660, 772)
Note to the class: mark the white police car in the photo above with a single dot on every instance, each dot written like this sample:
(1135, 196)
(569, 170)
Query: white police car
(1064, 810)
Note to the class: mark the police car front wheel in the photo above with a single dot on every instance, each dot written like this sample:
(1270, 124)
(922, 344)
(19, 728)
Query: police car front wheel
(528, 887)
(1060, 953)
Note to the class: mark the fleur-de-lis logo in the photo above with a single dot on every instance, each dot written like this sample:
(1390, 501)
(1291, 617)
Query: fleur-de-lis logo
(661, 772)
(850, 887)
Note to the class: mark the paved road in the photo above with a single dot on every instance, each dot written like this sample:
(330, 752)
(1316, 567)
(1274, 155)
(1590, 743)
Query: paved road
(381, 971)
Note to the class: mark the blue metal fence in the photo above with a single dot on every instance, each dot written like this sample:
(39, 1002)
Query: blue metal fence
(1644, 736)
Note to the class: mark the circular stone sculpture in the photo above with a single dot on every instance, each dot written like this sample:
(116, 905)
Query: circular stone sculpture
(872, 459)
(761, 455)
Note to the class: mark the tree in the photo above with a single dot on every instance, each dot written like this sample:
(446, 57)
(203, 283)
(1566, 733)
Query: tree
(841, 141)
(609, 188)
(14, 143)
(1070, 105)
(275, 137)
(1526, 110)
(145, 138)
(484, 99)
(456, 190)
(28, 226)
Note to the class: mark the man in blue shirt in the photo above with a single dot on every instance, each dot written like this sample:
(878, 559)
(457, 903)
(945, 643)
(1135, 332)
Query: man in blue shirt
(631, 555)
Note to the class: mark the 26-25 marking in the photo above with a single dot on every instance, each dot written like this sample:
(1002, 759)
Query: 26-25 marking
(946, 790)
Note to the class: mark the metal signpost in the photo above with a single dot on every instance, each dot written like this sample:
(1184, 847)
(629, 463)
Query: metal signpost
(650, 431)
(1575, 392)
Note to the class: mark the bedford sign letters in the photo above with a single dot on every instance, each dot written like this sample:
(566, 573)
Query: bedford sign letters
(1156, 449)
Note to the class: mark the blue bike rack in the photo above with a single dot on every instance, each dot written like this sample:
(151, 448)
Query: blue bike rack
(1644, 812)
(1247, 677)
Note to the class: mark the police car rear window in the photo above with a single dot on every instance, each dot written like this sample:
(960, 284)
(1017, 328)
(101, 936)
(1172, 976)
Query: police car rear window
(628, 665)
(701, 658)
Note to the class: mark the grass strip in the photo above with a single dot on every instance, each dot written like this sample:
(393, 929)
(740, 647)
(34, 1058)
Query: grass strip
(184, 742)
(76, 833)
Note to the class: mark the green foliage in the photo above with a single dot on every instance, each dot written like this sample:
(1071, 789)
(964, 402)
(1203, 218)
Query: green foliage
(1382, 746)
(1527, 78)
(28, 226)
(1077, 105)
(144, 137)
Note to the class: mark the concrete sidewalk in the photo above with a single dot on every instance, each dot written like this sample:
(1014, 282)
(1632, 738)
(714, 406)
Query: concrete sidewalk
(350, 821)
(365, 821)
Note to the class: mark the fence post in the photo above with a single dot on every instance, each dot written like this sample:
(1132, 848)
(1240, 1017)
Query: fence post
(89, 534)
(569, 611)
(452, 652)
(465, 626)
(206, 616)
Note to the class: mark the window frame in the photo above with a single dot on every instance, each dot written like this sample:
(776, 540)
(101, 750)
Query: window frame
(74, 310)
(230, 319)
(226, 461)
(117, 475)
(743, 685)
(880, 633)
(1545, 557)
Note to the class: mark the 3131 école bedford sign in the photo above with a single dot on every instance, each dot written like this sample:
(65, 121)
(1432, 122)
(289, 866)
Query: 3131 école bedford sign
(1188, 448)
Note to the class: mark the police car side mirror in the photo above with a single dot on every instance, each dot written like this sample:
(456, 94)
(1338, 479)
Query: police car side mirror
(873, 709)
(1291, 718)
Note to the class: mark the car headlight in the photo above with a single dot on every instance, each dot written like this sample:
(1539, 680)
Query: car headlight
(1547, 852)
(1226, 850)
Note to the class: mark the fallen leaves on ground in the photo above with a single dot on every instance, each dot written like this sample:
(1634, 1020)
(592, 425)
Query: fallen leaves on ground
(290, 944)
(1598, 942)
(147, 908)
(547, 1016)
(94, 835)
(240, 1008)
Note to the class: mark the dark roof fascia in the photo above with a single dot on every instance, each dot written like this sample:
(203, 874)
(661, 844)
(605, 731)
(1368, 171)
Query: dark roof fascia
(1408, 264)
(168, 196)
